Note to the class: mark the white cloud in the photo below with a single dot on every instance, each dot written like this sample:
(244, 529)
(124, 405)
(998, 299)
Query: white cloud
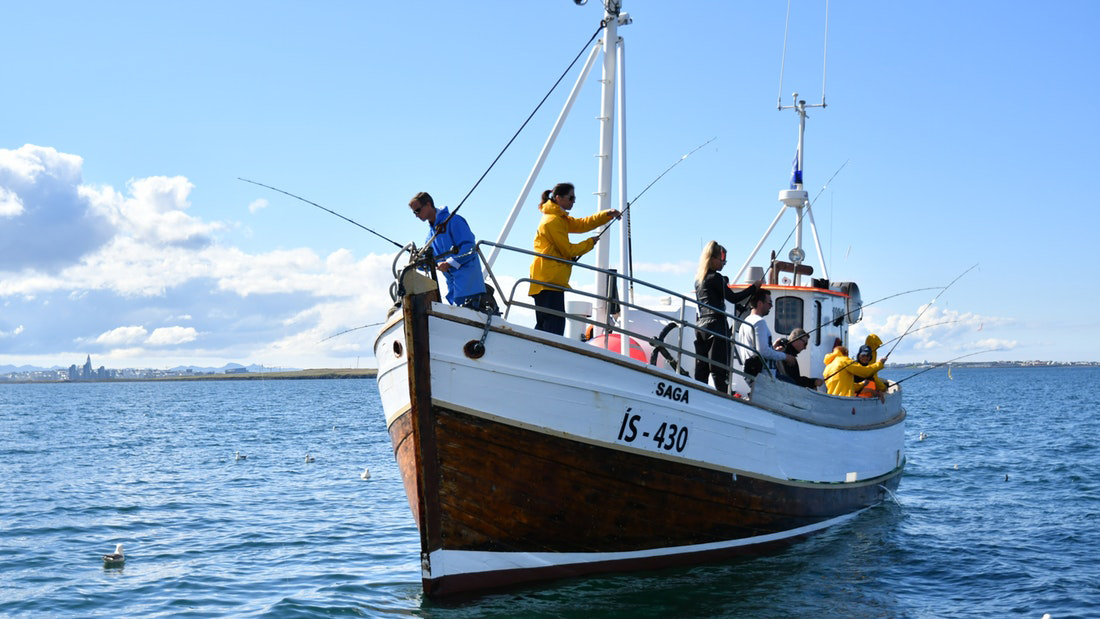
(48, 223)
(170, 336)
(937, 330)
(122, 336)
(10, 204)
(256, 205)
(154, 214)
(147, 262)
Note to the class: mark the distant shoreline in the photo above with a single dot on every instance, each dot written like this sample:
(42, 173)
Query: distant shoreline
(280, 375)
(320, 373)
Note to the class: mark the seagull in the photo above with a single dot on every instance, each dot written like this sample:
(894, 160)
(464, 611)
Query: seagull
(365, 474)
(922, 436)
(240, 456)
(115, 558)
(309, 458)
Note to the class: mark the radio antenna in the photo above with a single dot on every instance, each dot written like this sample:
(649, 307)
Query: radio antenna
(783, 58)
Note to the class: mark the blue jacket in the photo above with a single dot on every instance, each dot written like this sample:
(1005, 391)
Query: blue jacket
(464, 278)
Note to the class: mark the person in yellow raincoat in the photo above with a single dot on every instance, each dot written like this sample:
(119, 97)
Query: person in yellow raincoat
(873, 342)
(552, 239)
(841, 372)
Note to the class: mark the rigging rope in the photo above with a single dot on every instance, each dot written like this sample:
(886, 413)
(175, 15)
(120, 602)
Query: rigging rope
(443, 225)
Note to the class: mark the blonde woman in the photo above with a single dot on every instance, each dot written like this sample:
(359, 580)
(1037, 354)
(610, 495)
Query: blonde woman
(712, 291)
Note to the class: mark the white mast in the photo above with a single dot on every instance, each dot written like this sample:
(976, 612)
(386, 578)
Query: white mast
(612, 116)
(797, 198)
(606, 147)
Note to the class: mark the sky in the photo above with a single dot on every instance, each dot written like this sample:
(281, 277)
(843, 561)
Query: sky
(960, 135)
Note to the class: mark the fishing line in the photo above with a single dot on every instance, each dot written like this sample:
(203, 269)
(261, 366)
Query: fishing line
(373, 324)
(443, 226)
(898, 382)
(930, 303)
(847, 315)
(935, 324)
(398, 245)
(667, 170)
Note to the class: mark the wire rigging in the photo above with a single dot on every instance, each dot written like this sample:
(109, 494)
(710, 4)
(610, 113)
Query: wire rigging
(443, 224)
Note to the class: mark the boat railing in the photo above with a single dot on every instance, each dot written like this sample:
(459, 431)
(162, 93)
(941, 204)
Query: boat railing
(673, 319)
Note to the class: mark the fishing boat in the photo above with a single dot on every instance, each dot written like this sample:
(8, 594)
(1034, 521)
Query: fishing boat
(528, 456)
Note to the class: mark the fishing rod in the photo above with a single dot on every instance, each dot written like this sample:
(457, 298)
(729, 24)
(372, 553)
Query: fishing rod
(928, 306)
(936, 324)
(373, 324)
(848, 314)
(642, 193)
(398, 245)
(898, 382)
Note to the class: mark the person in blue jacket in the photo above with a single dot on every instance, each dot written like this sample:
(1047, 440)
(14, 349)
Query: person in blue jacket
(453, 248)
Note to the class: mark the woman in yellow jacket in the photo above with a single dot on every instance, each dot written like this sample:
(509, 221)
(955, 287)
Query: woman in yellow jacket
(841, 372)
(552, 239)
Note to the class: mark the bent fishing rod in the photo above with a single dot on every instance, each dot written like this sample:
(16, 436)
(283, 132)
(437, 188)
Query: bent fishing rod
(935, 324)
(898, 382)
(373, 324)
(398, 245)
(930, 303)
(847, 315)
(630, 203)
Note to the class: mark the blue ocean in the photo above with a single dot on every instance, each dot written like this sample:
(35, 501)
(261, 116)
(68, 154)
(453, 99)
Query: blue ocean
(998, 514)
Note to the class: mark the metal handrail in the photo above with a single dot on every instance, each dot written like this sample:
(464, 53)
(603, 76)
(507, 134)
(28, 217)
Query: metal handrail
(510, 300)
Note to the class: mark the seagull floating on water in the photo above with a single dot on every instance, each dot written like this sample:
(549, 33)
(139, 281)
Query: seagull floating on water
(240, 456)
(922, 436)
(365, 474)
(116, 557)
(309, 458)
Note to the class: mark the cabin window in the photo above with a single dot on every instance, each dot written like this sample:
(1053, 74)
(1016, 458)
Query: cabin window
(817, 323)
(788, 314)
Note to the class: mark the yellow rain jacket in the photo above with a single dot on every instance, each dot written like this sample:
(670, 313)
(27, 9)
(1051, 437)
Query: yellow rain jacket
(841, 372)
(552, 239)
(875, 342)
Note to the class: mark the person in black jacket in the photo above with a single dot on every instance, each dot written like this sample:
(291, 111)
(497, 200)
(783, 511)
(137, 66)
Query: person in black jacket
(788, 370)
(712, 336)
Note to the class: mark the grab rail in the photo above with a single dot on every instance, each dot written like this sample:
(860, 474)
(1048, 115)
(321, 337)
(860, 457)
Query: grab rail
(609, 326)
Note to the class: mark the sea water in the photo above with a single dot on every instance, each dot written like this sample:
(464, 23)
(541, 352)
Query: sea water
(998, 514)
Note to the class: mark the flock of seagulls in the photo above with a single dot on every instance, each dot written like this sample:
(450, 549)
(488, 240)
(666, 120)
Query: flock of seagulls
(238, 456)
